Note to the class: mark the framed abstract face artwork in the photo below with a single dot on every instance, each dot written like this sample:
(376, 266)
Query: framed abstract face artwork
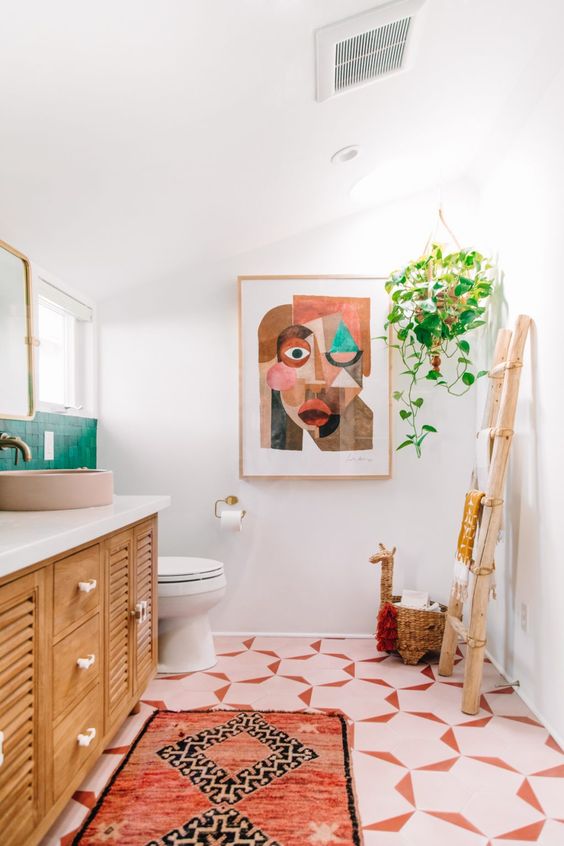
(315, 386)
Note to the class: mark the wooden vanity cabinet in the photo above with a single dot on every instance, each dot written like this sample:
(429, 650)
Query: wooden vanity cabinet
(78, 645)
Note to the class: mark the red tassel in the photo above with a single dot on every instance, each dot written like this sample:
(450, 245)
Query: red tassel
(387, 628)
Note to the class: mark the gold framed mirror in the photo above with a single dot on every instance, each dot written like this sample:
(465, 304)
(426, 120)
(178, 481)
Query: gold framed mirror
(17, 399)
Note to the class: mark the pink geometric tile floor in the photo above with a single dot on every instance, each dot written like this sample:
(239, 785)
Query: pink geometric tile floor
(425, 773)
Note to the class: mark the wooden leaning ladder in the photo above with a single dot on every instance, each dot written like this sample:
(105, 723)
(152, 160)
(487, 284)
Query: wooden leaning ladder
(499, 416)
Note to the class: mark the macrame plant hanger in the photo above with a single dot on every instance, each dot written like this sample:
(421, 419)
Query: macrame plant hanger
(441, 221)
(499, 419)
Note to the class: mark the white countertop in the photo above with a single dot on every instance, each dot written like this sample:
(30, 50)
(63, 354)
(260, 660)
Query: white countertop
(27, 537)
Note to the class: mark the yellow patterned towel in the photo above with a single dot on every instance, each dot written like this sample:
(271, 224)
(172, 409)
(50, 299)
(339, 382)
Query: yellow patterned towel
(467, 534)
(466, 540)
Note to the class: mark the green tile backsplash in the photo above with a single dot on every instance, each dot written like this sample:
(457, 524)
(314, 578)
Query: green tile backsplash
(75, 442)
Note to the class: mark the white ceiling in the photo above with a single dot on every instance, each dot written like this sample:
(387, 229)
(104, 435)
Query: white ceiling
(139, 137)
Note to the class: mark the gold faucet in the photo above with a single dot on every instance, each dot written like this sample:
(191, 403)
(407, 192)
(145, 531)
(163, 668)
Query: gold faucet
(17, 444)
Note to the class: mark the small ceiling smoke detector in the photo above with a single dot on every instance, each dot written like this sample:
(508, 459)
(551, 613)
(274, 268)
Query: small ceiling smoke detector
(346, 154)
(364, 48)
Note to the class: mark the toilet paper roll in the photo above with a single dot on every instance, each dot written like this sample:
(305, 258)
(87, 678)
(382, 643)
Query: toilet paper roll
(231, 521)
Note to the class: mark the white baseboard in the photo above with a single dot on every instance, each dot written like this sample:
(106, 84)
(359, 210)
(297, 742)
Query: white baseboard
(534, 710)
(312, 635)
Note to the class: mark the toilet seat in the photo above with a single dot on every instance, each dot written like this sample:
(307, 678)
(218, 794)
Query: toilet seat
(182, 576)
(182, 568)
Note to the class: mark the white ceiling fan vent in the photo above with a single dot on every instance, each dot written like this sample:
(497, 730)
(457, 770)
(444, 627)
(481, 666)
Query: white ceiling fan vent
(365, 48)
(372, 54)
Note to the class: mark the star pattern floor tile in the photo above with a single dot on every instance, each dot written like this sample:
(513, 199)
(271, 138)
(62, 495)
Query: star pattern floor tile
(424, 772)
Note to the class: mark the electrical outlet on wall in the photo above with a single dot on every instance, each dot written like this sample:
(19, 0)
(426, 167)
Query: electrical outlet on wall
(49, 446)
(524, 616)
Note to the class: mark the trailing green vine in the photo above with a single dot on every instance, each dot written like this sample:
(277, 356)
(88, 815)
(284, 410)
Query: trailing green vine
(436, 301)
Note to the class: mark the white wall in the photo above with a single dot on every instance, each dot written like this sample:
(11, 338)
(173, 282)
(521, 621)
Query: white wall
(169, 424)
(522, 213)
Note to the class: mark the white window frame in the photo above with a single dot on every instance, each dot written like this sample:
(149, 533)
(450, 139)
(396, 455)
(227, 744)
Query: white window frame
(81, 377)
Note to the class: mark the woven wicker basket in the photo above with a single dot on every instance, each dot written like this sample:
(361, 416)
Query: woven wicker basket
(419, 631)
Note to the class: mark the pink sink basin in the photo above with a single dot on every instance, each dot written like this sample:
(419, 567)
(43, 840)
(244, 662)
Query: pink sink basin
(54, 490)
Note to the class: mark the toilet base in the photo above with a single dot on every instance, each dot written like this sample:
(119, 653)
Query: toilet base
(186, 645)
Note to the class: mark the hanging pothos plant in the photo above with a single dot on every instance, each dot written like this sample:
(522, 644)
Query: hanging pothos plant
(436, 302)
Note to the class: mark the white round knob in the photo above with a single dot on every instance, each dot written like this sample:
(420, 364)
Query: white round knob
(86, 738)
(85, 663)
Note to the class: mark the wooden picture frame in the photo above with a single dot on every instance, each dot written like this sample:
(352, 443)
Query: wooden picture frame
(17, 382)
(314, 378)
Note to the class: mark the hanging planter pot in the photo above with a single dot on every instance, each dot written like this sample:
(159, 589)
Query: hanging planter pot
(437, 301)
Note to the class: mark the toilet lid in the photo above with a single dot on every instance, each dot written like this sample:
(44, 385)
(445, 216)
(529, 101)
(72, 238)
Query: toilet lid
(184, 569)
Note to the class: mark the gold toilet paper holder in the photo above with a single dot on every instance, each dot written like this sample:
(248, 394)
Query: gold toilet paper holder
(229, 500)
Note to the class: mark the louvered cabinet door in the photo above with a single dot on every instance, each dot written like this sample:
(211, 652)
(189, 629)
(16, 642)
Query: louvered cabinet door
(145, 589)
(119, 648)
(22, 668)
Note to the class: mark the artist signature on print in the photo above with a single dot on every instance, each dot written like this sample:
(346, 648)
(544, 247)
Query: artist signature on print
(352, 457)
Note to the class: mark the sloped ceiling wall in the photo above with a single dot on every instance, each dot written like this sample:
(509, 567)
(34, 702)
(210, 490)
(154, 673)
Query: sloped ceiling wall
(141, 138)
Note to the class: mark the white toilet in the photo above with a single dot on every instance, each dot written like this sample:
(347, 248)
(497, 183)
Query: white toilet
(188, 588)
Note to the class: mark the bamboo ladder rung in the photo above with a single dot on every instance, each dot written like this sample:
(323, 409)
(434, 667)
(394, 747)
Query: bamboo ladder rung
(502, 433)
(498, 370)
(491, 502)
(458, 627)
(498, 432)
(462, 632)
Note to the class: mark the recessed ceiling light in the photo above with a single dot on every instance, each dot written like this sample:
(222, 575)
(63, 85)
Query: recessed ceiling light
(346, 154)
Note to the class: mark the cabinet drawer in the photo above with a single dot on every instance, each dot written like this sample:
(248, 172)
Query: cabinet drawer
(75, 594)
(81, 723)
(71, 678)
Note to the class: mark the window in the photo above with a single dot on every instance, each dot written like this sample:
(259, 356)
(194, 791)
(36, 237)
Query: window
(64, 328)
(57, 383)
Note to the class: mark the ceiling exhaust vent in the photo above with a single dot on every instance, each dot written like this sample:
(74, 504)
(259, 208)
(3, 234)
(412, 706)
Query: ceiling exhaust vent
(365, 48)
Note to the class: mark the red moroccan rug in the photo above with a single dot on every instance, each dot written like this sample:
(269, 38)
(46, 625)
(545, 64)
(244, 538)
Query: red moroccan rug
(230, 778)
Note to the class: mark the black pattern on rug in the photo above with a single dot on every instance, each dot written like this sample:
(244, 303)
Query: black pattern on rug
(216, 828)
(189, 758)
